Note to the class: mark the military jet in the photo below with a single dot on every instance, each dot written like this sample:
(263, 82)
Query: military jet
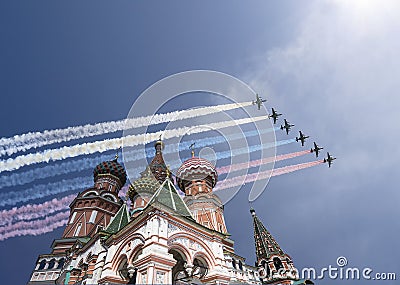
(301, 138)
(329, 159)
(287, 126)
(274, 115)
(258, 101)
(316, 149)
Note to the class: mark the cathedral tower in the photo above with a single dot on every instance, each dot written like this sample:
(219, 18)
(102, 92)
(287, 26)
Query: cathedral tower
(90, 213)
(142, 189)
(276, 267)
(196, 177)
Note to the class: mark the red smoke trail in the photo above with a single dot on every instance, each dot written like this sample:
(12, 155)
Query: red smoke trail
(254, 163)
(292, 168)
(36, 227)
(34, 211)
(48, 224)
(240, 180)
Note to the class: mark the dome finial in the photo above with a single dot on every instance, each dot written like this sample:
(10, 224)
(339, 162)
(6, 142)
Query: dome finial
(191, 147)
(116, 155)
(159, 145)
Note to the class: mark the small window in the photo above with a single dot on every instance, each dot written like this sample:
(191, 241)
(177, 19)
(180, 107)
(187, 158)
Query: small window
(277, 263)
(233, 263)
(93, 216)
(110, 188)
(72, 218)
(240, 265)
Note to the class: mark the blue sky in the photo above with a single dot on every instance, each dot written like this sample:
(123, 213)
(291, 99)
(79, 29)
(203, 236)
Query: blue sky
(331, 67)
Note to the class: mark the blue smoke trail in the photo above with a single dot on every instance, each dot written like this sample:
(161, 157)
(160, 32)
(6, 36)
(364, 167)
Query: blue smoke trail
(66, 167)
(43, 190)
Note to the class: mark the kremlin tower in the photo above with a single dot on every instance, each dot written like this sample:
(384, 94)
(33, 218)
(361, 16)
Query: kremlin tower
(165, 237)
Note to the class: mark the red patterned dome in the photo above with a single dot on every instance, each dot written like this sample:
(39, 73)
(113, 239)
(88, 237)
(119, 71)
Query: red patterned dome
(196, 168)
(112, 167)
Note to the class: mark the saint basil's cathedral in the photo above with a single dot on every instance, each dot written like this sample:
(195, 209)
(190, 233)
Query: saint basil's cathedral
(163, 238)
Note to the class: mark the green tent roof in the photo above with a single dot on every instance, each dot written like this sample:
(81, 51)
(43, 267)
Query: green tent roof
(120, 220)
(167, 197)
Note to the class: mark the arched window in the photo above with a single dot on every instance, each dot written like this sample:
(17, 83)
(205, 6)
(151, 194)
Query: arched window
(233, 263)
(61, 263)
(265, 265)
(51, 264)
(179, 274)
(42, 264)
(277, 263)
(240, 265)
(200, 268)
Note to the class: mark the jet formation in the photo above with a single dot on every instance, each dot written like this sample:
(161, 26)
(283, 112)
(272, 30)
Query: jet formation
(287, 127)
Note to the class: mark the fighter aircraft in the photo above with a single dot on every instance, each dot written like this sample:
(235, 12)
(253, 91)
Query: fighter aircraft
(329, 159)
(316, 149)
(301, 138)
(274, 115)
(287, 126)
(258, 101)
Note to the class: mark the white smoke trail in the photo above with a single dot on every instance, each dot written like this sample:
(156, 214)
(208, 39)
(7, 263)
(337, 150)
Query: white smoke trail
(64, 167)
(108, 144)
(42, 190)
(24, 142)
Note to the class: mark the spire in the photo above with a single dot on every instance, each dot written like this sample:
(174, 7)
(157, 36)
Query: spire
(120, 220)
(191, 147)
(157, 165)
(116, 155)
(275, 266)
(167, 197)
(266, 246)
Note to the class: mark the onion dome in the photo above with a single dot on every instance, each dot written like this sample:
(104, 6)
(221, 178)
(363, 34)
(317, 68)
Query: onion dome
(196, 168)
(112, 167)
(146, 183)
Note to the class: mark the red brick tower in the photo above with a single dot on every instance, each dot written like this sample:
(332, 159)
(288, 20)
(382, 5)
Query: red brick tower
(197, 178)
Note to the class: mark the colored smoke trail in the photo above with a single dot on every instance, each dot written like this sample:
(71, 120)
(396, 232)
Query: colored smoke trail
(36, 227)
(50, 223)
(64, 167)
(258, 162)
(296, 167)
(35, 211)
(42, 190)
(240, 180)
(24, 142)
(109, 144)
